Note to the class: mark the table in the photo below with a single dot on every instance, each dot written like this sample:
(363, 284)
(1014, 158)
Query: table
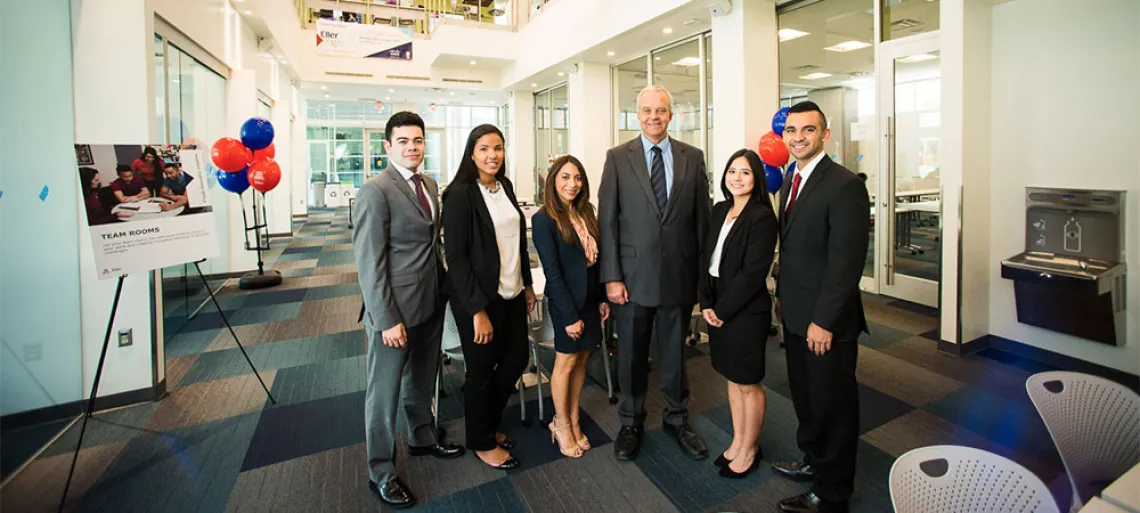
(1125, 491)
(917, 192)
(1098, 506)
(134, 206)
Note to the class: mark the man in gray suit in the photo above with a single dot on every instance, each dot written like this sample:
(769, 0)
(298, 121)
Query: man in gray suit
(395, 239)
(653, 213)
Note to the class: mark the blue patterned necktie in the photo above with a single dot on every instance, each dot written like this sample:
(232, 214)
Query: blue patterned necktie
(657, 177)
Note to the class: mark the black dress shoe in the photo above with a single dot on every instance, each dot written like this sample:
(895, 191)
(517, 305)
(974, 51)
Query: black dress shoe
(809, 502)
(628, 442)
(721, 461)
(726, 471)
(507, 443)
(689, 441)
(393, 493)
(795, 470)
(509, 464)
(441, 451)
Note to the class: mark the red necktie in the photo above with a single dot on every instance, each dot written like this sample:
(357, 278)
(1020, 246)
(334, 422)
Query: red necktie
(795, 191)
(419, 181)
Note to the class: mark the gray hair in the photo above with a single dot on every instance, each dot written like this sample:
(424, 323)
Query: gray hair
(655, 88)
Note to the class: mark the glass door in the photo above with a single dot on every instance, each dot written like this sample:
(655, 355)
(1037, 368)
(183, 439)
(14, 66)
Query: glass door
(908, 205)
(433, 156)
(377, 158)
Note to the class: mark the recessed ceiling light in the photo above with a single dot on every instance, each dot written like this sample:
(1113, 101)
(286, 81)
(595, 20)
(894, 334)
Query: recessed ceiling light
(919, 58)
(611, 54)
(532, 84)
(248, 13)
(452, 93)
(327, 96)
(561, 74)
(848, 46)
(689, 61)
(386, 98)
(815, 76)
(692, 21)
(667, 30)
(790, 34)
(656, 58)
(324, 88)
(472, 63)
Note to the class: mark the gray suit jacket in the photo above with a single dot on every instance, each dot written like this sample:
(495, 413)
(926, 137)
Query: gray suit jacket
(397, 249)
(657, 254)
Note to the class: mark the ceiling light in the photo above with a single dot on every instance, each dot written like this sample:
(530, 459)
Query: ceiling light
(248, 13)
(667, 30)
(656, 58)
(688, 61)
(561, 74)
(532, 84)
(847, 46)
(790, 34)
(324, 88)
(919, 58)
(472, 63)
(391, 90)
(691, 22)
(327, 96)
(611, 54)
(386, 98)
(815, 76)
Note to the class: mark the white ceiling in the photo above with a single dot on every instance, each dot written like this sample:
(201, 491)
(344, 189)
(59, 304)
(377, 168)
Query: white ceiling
(398, 94)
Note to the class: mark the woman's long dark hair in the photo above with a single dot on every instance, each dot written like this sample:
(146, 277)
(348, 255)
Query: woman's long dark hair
(154, 153)
(558, 210)
(468, 172)
(759, 181)
(86, 174)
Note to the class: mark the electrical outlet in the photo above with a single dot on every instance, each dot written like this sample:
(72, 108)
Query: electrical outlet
(126, 337)
(33, 352)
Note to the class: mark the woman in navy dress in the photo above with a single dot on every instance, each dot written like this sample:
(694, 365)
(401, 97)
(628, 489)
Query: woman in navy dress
(735, 302)
(565, 233)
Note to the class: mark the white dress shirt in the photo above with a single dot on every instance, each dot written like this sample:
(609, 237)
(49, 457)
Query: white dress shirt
(408, 174)
(506, 219)
(804, 173)
(714, 262)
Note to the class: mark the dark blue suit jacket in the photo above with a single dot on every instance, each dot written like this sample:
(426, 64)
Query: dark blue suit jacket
(570, 285)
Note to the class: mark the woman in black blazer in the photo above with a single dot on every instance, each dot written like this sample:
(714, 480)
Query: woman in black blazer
(566, 237)
(489, 285)
(735, 301)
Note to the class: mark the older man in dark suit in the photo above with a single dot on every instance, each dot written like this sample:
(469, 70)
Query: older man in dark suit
(653, 214)
(823, 246)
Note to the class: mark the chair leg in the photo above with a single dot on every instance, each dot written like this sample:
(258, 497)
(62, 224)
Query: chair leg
(605, 348)
(537, 378)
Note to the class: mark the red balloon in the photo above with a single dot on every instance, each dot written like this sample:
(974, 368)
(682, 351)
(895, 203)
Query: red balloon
(264, 174)
(773, 151)
(230, 155)
(268, 152)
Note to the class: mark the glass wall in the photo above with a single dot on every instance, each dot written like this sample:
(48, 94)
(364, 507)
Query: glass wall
(678, 68)
(551, 132)
(827, 56)
(902, 18)
(629, 79)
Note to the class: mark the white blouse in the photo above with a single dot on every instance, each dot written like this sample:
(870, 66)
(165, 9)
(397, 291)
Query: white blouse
(714, 262)
(506, 219)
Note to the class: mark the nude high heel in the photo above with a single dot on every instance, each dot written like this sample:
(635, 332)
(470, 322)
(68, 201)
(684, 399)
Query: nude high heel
(561, 434)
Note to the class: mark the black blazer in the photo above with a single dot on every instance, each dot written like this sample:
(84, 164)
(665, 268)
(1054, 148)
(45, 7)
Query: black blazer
(470, 247)
(744, 264)
(569, 282)
(823, 246)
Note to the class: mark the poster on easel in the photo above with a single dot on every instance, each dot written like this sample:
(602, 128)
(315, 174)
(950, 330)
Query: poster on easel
(146, 206)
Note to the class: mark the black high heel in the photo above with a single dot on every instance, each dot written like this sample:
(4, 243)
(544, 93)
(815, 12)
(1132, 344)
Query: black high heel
(727, 471)
(721, 461)
(510, 464)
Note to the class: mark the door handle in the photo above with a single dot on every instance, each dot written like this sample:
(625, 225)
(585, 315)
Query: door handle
(889, 201)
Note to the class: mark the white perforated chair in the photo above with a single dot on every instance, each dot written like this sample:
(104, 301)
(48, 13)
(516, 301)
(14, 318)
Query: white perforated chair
(1095, 424)
(450, 349)
(955, 479)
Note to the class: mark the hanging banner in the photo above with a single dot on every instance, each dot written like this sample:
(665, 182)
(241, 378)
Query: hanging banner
(147, 206)
(359, 40)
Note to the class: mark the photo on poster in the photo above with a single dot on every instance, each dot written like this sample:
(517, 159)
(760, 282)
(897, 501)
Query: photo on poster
(146, 205)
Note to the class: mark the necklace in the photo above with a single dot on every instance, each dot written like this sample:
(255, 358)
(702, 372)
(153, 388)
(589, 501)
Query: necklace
(489, 189)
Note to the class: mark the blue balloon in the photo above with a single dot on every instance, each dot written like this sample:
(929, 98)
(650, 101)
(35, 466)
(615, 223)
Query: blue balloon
(256, 133)
(236, 183)
(779, 120)
(775, 178)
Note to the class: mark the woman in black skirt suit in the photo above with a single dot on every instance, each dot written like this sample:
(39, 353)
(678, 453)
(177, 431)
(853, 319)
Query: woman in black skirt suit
(735, 302)
(565, 233)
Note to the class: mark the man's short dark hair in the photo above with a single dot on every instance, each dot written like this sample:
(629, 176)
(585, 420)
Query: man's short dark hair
(403, 118)
(123, 168)
(171, 165)
(809, 106)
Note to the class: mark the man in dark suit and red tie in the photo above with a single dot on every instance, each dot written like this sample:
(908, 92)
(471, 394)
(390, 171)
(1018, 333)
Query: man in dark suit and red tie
(823, 246)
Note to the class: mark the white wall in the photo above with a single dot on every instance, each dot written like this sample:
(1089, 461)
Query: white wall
(1065, 77)
(41, 357)
(520, 160)
(590, 101)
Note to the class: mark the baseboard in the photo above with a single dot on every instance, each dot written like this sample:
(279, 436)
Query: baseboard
(1063, 362)
(965, 349)
(282, 234)
(73, 408)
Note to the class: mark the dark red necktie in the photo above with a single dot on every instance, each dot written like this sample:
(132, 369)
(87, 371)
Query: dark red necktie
(424, 204)
(795, 191)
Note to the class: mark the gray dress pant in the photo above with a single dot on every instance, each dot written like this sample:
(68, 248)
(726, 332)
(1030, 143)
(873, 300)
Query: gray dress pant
(635, 326)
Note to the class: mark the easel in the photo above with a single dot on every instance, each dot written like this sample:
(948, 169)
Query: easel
(103, 359)
(259, 279)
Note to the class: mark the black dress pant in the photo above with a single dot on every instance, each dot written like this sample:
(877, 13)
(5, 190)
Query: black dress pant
(826, 399)
(492, 369)
(635, 325)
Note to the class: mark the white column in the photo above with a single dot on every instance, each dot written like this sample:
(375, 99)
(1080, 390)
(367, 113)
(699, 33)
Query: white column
(278, 201)
(241, 104)
(520, 156)
(590, 117)
(299, 171)
(746, 85)
(965, 54)
(113, 68)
